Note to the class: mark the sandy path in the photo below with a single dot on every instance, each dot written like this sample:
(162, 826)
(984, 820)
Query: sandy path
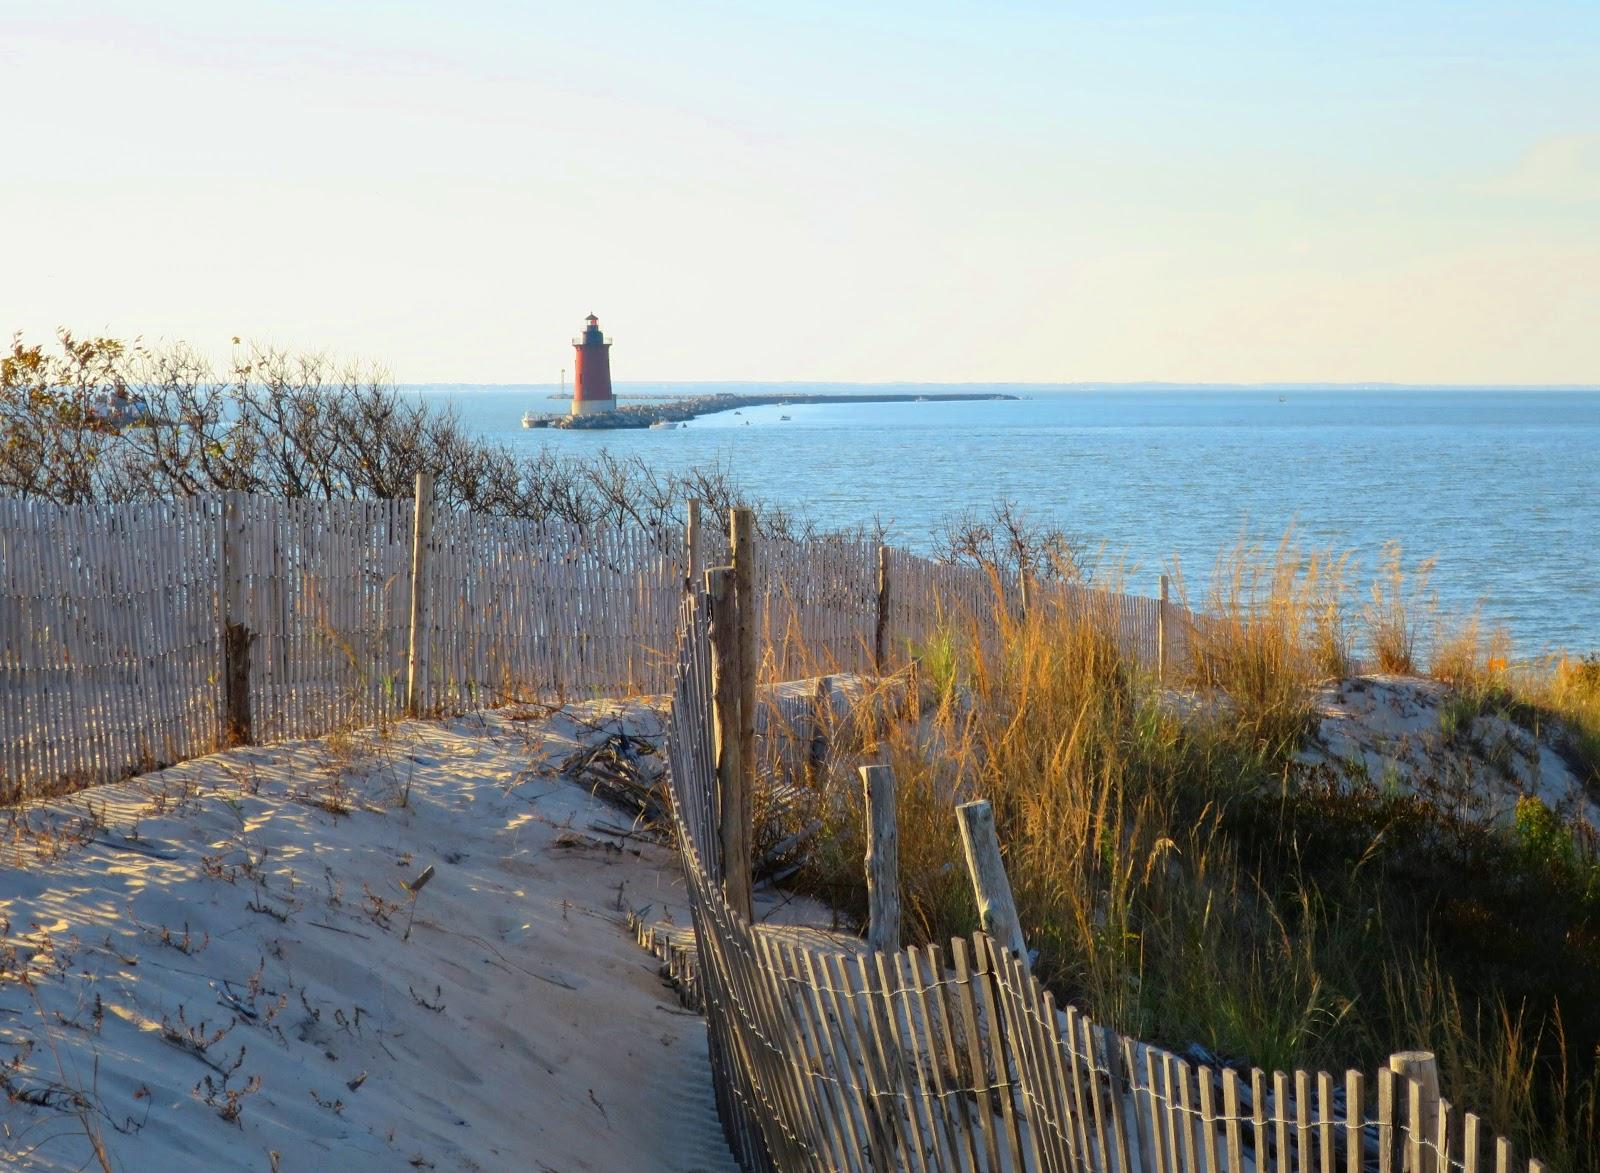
(259, 892)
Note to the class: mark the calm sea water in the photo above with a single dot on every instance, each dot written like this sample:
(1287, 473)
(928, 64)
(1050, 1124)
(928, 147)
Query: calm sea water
(1501, 487)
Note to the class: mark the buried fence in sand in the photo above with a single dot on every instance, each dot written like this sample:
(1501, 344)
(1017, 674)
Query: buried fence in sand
(926, 1059)
(139, 634)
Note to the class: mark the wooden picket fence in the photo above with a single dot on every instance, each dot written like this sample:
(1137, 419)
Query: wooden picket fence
(139, 634)
(956, 1058)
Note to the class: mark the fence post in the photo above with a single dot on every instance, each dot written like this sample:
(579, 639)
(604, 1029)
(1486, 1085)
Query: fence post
(880, 633)
(883, 860)
(237, 724)
(997, 911)
(821, 724)
(1161, 633)
(421, 597)
(1421, 1069)
(742, 527)
(733, 798)
(691, 545)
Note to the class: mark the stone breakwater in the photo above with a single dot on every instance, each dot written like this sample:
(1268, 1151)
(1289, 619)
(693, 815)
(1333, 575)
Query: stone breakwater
(640, 415)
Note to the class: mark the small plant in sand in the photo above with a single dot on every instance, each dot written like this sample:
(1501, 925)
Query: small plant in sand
(227, 1102)
(185, 942)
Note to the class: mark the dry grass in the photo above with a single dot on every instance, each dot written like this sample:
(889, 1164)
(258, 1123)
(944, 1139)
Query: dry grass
(1398, 606)
(1179, 882)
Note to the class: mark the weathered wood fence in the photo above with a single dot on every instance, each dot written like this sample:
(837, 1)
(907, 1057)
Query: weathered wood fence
(138, 634)
(956, 1058)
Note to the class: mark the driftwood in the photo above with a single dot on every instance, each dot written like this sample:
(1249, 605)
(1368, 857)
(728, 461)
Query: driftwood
(625, 771)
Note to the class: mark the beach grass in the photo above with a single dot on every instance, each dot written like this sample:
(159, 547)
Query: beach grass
(1181, 880)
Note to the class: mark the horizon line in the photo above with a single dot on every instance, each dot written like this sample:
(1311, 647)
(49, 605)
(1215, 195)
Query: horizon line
(1080, 385)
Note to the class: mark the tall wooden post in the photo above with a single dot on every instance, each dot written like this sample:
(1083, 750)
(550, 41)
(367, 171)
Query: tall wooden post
(997, 911)
(880, 633)
(742, 523)
(882, 861)
(1420, 1108)
(237, 723)
(691, 545)
(1161, 633)
(421, 597)
(733, 796)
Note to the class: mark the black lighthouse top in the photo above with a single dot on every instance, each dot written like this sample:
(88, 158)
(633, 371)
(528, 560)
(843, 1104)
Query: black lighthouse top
(591, 335)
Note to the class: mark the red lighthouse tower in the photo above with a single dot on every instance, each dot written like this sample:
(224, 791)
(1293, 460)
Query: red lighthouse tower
(591, 383)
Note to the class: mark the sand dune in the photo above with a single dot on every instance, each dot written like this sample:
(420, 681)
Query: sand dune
(209, 967)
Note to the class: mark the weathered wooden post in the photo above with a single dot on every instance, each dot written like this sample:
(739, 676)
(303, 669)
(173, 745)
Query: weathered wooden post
(882, 861)
(742, 527)
(421, 597)
(880, 632)
(821, 725)
(1161, 633)
(733, 796)
(1421, 1069)
(997, 911)
(691, 545)
(237, 724)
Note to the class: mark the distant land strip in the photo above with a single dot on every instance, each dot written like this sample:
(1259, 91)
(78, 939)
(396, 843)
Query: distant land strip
(642, 415)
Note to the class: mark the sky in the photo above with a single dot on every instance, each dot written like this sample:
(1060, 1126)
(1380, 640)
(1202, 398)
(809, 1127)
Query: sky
(1009, 191)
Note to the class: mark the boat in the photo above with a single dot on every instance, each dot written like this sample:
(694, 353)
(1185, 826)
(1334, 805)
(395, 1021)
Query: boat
(783, 417)
(663, 424)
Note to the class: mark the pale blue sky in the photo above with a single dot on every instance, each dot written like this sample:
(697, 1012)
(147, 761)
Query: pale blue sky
(894, 191)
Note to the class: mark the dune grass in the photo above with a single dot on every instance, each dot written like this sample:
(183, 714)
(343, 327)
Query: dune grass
(1182, 881)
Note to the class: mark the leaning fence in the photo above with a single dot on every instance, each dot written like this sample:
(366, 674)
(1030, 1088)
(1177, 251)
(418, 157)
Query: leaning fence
(933, 1059)
(138, 634)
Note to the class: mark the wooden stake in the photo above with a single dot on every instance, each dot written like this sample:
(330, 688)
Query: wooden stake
(1161, 633)
(742, 526)
(1420, 1106)
(733, 807)
(691, 545)
(880, 633)
(883, 860)
(821, 724)
(237, 726)
(997, 912)
(421, 597)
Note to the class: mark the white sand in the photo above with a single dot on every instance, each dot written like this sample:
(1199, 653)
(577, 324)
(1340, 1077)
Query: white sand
(554, 1045)
(1389, 730)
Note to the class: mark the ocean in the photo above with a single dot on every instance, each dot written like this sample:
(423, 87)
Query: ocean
(1500, 487)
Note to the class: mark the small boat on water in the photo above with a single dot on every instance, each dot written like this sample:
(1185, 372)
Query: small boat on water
(783, 417)
(663, 424)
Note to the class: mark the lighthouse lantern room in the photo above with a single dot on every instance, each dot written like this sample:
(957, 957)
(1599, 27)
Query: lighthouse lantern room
(591, 385)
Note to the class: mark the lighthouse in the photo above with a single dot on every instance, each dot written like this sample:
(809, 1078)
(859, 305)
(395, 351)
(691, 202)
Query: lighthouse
(591, 384)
